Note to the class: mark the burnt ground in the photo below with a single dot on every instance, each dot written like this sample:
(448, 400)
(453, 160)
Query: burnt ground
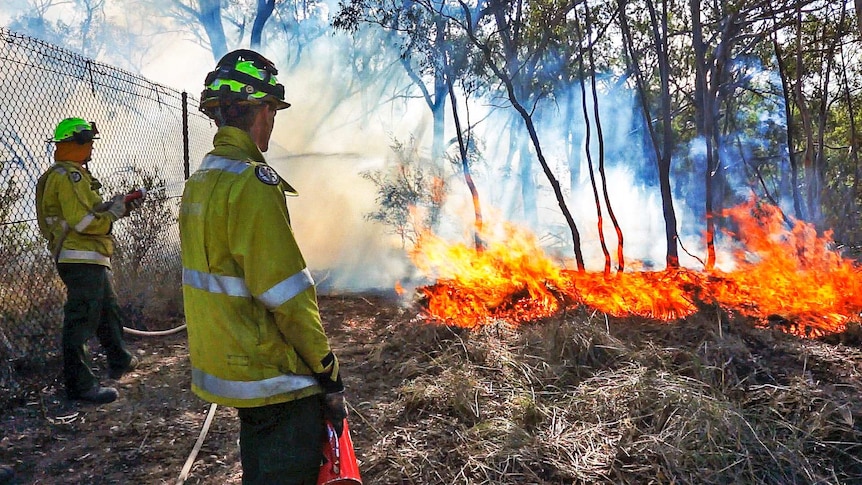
(413, 421)
(146, 435)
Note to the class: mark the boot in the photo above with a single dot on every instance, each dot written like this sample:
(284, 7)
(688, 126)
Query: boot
(98, 395)
(116, 373)
(7, 475)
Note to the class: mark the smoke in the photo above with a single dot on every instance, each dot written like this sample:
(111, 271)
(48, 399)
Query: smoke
(343, 121)
(321, 145)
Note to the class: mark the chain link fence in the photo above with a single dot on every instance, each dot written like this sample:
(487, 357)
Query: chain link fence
(149, 134)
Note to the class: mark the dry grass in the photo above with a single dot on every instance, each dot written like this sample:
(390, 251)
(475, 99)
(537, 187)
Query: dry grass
(579, 399)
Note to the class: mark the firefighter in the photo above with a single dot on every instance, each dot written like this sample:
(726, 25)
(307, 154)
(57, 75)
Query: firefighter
(77, 225)
(256, 341)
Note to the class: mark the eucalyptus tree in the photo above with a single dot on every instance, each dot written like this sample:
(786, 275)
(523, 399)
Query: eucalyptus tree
(223, 25)
(80, 25)
(722, 34)
(831, 85)
(419, 31)
(655, 55)
(207, 15)
(515, 55)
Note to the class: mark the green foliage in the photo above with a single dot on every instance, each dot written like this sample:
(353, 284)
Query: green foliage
(410, 193)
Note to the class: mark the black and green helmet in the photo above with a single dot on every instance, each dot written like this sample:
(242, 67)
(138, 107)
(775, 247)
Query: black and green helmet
(242, 76)
(75, 129)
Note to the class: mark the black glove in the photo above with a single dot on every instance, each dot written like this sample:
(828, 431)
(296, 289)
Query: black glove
(335, 411)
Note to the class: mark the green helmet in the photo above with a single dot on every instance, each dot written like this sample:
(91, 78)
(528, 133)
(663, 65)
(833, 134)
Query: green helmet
(75, 129)
(242, 76)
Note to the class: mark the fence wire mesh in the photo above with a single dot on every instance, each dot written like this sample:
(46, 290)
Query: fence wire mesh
(148, 135)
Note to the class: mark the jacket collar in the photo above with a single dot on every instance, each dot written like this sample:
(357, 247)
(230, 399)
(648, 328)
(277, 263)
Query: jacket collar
(231, 142)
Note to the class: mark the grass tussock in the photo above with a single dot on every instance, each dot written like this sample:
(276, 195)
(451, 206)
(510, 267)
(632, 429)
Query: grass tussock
(583, 399)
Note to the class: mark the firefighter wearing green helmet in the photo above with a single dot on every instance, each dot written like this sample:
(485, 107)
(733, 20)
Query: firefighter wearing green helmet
(256, 341)
(77, 226)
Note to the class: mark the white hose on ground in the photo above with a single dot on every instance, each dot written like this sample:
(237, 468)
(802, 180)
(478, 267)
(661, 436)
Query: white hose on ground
(154, 333)
(191, 459)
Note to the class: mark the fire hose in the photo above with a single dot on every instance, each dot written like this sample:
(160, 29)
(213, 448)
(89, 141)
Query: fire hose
(141, 193)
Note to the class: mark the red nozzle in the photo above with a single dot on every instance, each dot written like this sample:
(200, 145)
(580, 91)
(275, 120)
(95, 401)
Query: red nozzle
(136, 194)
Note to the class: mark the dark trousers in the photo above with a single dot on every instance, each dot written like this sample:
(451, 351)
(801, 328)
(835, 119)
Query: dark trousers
(91, 310)
(281, 444)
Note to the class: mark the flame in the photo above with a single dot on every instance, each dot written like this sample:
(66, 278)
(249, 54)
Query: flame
(782, 273)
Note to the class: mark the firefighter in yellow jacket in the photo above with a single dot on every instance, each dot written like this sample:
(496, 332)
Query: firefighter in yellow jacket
(256, 341)
(77, 225)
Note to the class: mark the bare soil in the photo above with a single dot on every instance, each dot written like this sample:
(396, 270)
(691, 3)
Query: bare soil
(146, 435)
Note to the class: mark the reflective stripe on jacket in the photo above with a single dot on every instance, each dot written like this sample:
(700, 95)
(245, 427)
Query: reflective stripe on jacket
(65, 197)
(255, 336)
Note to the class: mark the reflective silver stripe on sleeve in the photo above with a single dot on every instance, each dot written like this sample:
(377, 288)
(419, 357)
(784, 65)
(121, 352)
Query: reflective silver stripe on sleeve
(286, 289)
(228, 285)
(212, 162)
(85, 256)
(85, 221)
(250, 389)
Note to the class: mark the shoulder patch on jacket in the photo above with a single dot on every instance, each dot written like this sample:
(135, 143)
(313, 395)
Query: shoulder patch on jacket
(75, 176)
(267, 174)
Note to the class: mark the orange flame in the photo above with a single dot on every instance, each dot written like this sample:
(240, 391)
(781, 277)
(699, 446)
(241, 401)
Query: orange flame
(790, 275)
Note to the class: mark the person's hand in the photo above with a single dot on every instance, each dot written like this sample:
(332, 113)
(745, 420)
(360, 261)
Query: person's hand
(335, 411)
(134, 203)
(117, 206)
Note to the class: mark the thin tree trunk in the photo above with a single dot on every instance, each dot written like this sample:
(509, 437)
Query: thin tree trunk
(599, 216)
(264, 12)
(852, 203)
(531, 129)
(858, 4)
(788, 120)
(820, 157)
(703, 110)
(671, 236)
(807, 127)
(601, 140)
(465, 168)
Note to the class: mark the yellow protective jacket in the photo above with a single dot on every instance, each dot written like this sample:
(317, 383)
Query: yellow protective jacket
(254, 329)
(66, 196)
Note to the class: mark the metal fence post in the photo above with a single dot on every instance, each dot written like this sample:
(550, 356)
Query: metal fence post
(186, 168)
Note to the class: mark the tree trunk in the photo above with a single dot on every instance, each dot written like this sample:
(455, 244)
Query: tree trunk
(264, 11)
(601, 139)
(210, 17)
(589, 155)
(703, 123)
(788, 120)
(506, 79)
(858, 4)
(668, 144)
(465, 168)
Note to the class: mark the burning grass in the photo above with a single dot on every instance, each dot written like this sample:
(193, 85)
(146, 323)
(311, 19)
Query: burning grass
(584, 399)
(780, 273)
